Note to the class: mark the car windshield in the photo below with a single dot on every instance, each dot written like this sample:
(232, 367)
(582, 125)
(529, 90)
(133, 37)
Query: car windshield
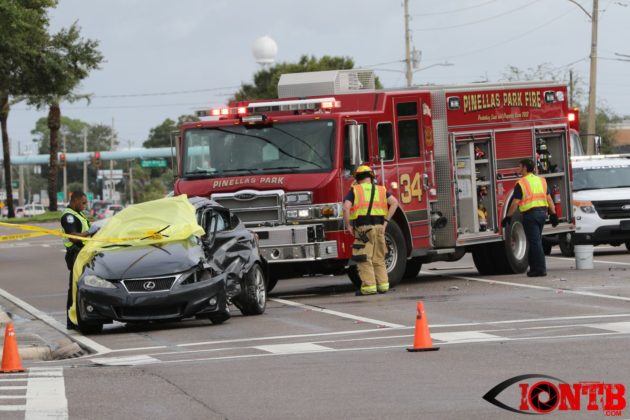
(595, 178)
(295, 147)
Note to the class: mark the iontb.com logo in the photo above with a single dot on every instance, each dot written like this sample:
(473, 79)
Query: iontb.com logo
(543, 394)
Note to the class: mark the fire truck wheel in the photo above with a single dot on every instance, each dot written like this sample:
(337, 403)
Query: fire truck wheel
(566, 245)
(628, 245)
(512, 255)
(547, 247)
(413, 268)
(482, 257)
(396, 257)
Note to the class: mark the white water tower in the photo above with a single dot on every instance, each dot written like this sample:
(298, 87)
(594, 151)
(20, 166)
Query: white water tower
(265, 50)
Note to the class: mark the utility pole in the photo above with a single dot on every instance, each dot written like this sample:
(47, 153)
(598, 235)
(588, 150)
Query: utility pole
(131, 182)
(408, 71)
(65, 168)
(85, 164)
(592, 106)
(110, 184)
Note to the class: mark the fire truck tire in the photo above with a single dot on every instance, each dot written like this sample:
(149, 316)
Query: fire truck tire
(414, 265)
(547, 247)
(511, 255)
(395, 259)
(482, 257)
(566, 245)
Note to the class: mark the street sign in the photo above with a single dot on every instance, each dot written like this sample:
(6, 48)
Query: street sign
(14, 184)
(153, 163)
(90, 196)
(60, 196)
(116, 174)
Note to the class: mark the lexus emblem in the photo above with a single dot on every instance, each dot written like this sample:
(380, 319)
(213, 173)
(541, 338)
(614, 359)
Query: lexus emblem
(245, 196)
(625, 207)
(148, 285)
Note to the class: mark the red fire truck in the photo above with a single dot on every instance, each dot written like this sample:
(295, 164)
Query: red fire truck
(449, 154)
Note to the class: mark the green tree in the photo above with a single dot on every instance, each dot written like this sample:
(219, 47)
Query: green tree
(98, 136)
(266, 80)
(66, 62)
(23, 37)
(145, 187)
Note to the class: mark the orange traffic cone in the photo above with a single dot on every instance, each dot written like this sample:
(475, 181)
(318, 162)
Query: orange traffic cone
(10, 356)
(422, 339)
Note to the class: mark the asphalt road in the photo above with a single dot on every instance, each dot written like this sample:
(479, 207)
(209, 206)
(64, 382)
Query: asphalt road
(319, 352)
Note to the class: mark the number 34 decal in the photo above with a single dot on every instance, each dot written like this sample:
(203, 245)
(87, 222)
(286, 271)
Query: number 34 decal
(410, 188)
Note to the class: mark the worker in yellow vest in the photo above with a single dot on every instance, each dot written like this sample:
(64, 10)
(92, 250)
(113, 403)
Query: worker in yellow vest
(367, 209)
(532, 198)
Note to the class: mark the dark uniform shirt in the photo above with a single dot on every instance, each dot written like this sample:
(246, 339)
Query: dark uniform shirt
(365, 220)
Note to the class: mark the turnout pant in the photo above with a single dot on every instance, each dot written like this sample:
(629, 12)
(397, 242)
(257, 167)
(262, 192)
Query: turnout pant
(370, 258)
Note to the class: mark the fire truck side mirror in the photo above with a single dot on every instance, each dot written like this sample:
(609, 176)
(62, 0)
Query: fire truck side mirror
(354, 143)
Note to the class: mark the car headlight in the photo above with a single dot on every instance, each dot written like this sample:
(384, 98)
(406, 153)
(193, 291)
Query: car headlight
(95, 281)
(585, 206)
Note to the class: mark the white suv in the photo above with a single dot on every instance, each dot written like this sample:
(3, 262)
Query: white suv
(601, 200)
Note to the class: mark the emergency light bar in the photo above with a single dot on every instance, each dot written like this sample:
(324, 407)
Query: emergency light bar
(295, 105)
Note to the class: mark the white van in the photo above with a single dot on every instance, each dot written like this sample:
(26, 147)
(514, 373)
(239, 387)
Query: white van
(601, 200)
(33, 210)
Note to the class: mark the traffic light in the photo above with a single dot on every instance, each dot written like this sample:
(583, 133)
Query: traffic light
(96, 159)
(62, 160)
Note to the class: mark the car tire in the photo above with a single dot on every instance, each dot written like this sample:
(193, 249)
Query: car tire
(566, 246)
(253, 297)
(86, 327)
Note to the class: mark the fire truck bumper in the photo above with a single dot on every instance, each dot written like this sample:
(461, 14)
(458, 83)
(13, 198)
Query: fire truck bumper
(294, 243)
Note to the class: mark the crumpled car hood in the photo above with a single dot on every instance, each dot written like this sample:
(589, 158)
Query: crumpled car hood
(146, 261)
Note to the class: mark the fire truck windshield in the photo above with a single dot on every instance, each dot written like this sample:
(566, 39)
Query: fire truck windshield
(293, 147)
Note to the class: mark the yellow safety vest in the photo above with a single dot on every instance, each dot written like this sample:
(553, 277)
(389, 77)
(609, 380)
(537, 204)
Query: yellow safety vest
(85, 225)
(534, 190)
(362, 194)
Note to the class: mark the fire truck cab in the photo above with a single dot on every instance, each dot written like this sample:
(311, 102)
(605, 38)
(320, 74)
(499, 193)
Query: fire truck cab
(449, 154)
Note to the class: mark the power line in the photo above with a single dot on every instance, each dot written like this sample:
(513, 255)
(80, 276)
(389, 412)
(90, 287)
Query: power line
(176, 92)
(477, 21)
(461, 9)
(514, 38)
(88, 107)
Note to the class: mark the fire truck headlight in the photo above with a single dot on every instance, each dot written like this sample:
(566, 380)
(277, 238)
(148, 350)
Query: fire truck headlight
(304, 213)
(292, 214)
(298, 198)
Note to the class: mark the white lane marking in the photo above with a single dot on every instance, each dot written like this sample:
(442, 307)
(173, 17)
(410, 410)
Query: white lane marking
(125, 361)
(138, 349)
(518, 321)
(595, 261)
(11, 388)
(46, 395)
(337, 313)
(293, 348)
(532, 286)
(466, 337)
(14, 380)
(620, 327)
(12, 397)
(12, 407)
(47, 319)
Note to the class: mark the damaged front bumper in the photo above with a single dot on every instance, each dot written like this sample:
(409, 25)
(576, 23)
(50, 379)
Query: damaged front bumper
(294, 243)
(182, 301)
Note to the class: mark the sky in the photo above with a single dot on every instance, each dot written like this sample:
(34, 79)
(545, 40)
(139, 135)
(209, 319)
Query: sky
(164, 58)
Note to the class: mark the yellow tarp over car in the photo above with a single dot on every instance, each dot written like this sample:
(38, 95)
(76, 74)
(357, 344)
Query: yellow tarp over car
(154, 222)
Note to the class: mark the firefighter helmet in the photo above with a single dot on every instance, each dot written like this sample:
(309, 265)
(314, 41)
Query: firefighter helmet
(363, 169)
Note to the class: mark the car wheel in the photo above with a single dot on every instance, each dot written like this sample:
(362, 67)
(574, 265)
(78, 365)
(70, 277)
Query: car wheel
(86, 327)
(253, 297)
(414, 265)
(566, 245)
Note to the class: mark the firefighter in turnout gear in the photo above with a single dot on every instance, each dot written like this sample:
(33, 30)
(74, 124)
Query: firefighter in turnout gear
(367, 209)
(531, 197)
(74, 222)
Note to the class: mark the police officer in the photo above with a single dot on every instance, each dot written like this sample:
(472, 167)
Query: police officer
(366, 205)
(74, 223)
(532, 198)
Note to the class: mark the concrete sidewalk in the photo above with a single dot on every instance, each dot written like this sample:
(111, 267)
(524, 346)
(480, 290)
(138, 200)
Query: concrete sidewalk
(36, 339)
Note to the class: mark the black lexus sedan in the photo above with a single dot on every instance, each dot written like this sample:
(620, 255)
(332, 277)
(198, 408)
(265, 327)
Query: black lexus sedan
(197, 277)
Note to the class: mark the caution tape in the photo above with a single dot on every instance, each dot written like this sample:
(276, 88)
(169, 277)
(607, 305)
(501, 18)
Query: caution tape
(20, 236)
(39, 231)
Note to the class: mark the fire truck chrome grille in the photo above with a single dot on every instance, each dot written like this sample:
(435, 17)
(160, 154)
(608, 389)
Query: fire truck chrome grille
(612, 209)
(256, 209)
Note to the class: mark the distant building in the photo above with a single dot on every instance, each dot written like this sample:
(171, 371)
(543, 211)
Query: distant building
(621, 138)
